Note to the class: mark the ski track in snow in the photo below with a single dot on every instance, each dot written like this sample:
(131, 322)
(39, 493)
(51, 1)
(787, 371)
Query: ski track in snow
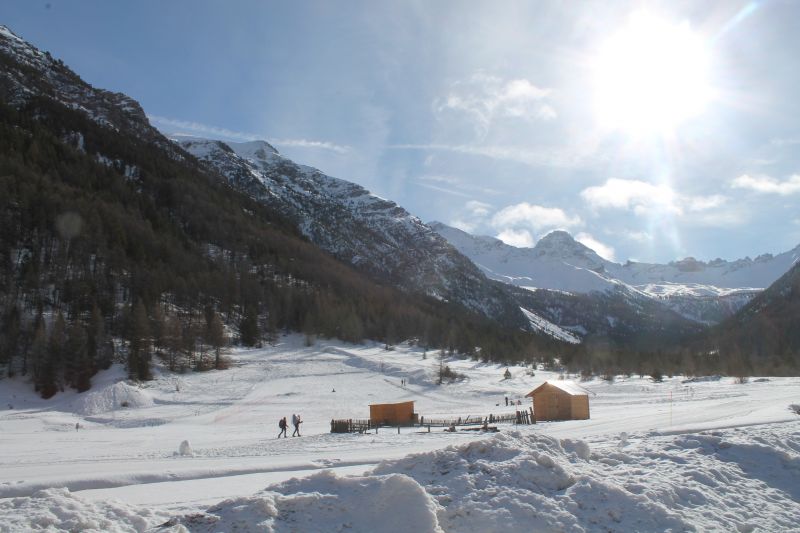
(708, 455)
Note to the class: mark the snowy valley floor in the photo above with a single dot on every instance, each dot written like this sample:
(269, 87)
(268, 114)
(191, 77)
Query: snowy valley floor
(703, 456)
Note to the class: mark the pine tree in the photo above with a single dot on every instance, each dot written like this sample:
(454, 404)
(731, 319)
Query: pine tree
(9, 348)
(57, 355)
(173, 337)
(248, 327)
(216, 338)
(39, 359)
(99, 348)
(78, 367)
(158, 327)
(139, 343)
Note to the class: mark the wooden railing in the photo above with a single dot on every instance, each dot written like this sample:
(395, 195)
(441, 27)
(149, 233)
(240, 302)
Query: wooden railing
(352, 425)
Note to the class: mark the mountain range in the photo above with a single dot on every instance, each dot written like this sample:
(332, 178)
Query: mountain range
(111, 224)
(704, 292)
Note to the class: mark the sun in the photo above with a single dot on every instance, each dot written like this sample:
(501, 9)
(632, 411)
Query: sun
(650, 77)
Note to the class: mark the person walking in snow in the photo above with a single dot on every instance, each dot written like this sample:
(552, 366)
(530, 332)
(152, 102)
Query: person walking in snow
(296, 423)
(282, 424)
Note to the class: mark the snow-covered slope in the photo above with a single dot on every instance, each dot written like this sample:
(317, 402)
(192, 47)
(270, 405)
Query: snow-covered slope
(539, 323)
(708, 455)
(703, 292)
(375, 235)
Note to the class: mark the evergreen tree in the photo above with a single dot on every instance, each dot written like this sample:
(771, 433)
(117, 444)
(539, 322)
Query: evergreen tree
(9, 345)
(57, 356)
(248, 327)
(40, 360)
(79, 369)
(139, 343)
(216, 338)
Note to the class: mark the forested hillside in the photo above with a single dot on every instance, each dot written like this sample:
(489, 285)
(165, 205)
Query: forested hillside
(765, 334)
(115, 244)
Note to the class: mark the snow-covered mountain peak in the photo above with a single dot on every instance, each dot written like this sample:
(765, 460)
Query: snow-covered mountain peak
(561, 245)
(258, 151)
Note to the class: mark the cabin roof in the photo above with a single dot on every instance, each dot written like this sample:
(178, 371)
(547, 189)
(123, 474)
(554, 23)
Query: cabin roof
(396, 403)
(570, 387)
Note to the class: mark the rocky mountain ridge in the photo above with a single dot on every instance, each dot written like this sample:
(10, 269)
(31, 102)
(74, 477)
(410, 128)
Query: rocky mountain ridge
(373, 234)
(702, 292)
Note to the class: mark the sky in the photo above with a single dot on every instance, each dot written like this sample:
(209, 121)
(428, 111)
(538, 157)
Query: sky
(651, 131)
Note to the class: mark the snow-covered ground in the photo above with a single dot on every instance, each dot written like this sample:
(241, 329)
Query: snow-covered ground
(707, 455)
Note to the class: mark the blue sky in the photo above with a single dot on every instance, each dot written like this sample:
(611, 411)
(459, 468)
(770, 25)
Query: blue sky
(650, 130)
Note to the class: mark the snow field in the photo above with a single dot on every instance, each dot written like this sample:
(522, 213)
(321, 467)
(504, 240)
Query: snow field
(707, 455)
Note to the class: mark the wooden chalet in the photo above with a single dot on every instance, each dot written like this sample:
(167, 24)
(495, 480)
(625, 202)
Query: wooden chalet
(559, 400)
(392, 414)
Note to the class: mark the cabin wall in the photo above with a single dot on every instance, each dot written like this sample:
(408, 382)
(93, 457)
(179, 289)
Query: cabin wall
(580, 407)
(552, 403)
(392, 413)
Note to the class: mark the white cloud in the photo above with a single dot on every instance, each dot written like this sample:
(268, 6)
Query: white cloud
(479, 209)
(450, 180)
(464, 225)
(767, 184)
(787, 141)
(197, 128)
(452, 185)
(535, 217)
(445, 190)
(484, 98)
(603, 250)
(549, 157)
(306, 143)
(630, 194)
(643, 198)
(638, 236)
(518, 238)
(722, 219)
(704, 203)
(474, 217)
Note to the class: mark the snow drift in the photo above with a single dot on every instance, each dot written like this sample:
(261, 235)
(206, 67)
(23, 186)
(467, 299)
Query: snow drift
(116, 396)
(742, 479)
(721, 481)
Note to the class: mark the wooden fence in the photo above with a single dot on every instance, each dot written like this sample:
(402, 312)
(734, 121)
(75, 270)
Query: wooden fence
(362, 426)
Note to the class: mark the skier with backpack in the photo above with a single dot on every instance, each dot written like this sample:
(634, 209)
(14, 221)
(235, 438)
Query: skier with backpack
(282, 424)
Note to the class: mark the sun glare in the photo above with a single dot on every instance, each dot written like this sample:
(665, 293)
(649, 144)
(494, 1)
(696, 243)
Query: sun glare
(650, 77)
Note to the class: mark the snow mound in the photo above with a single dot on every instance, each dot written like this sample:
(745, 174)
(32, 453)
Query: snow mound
(185, 449)
(526, 482)
(518, 481)
(59, 510)
(116, 396)
(324, 502)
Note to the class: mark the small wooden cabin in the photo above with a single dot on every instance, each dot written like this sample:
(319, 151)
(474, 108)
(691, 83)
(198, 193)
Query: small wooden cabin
(559, 400)
(392, 414)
